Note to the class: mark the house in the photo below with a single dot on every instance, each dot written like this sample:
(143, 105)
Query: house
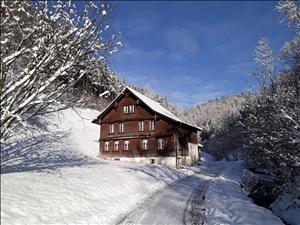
(135, 128)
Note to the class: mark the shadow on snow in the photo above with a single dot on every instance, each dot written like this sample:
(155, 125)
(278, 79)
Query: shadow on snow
(42, 152)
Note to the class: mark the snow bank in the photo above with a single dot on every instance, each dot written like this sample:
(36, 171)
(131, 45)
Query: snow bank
(227, 204)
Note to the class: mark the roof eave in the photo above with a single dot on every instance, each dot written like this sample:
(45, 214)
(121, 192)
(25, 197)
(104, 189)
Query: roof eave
(95, 121)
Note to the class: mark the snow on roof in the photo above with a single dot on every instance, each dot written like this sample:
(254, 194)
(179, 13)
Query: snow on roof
(155, 106)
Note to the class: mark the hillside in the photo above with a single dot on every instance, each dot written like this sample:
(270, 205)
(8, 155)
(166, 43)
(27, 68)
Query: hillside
(211, 115)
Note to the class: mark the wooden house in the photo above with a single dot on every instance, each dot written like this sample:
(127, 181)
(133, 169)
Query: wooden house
(135, 128)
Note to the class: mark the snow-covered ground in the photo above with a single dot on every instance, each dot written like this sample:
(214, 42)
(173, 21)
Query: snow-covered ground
(58, 179)
(226, 203)
(99, 193)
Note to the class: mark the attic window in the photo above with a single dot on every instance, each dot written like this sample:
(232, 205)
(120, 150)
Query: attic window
(126, 109)
(129, 109)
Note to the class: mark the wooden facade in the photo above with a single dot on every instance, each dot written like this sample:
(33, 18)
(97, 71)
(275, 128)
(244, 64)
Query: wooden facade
(131, 129)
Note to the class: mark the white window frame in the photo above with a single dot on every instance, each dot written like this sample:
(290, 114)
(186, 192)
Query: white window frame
(126, 145)
(111, 128)
(126, 109)
(121, 127)
(141, 126)
(145, 144)
(116, 145)
(106, 146)
(151, 125)
(160, 143)
(131, 108)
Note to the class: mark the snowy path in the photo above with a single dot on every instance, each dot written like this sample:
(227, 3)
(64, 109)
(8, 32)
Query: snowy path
(172, 204)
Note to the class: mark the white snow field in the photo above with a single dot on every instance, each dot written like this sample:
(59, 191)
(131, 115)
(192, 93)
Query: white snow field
(58, 179)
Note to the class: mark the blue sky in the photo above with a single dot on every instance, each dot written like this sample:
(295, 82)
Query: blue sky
(193, 51)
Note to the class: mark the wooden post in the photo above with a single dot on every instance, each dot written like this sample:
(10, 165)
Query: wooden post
(175, 149)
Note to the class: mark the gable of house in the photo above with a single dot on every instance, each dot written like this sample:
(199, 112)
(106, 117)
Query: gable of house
(115, 115)
(152, 107)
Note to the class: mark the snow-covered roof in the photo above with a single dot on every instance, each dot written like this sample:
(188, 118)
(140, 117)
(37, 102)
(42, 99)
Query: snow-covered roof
(155, 106)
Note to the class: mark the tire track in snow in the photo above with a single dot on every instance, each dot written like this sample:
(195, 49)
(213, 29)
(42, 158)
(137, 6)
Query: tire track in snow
(195, 211)
(136, 213)
(177, 203)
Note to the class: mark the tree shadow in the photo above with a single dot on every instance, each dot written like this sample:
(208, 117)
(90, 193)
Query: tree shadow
(43, 152)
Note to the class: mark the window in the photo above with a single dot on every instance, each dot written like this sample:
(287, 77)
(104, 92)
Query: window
(106, 146)
(145, 144)
(126, 109)
(121, 127)
(126, 145)
(116, 145)
(141, 126)
(151, 125)
(160, 143)
(131, 108)
(111, 128)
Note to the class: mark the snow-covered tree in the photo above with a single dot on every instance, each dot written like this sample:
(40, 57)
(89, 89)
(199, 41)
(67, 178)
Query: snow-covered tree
(46, 48)
(291, 13)
(270, 119)
(265, 61)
